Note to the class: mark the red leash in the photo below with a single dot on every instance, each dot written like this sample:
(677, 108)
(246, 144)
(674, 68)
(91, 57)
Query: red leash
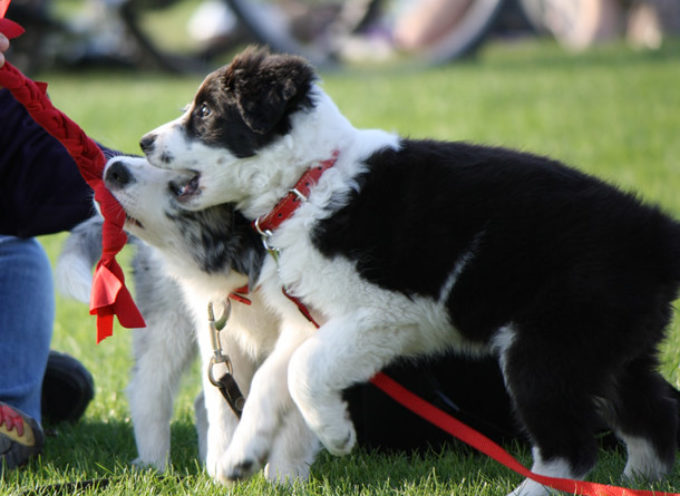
(485, 445)
(284, 209)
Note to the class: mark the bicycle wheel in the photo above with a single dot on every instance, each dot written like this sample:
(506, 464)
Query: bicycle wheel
(329, 31)
(181, 35)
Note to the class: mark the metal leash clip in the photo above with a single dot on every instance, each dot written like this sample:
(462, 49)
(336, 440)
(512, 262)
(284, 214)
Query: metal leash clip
(215, 327)
(265, 235)
(226, 384)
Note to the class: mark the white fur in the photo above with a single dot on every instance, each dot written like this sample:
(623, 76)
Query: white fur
(73, 277)
(500, 344)
(643, 461)
(553, 468)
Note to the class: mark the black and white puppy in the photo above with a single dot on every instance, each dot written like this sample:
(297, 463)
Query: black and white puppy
(410, 248)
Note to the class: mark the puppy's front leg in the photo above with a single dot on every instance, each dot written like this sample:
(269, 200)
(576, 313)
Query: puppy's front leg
(267, 405)
(344, 351)
(222, 421)
(294, 450)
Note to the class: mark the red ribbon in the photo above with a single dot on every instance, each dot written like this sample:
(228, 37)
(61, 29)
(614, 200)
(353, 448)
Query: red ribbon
(109, 295)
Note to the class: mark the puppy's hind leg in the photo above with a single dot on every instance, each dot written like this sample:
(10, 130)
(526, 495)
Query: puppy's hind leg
(553, 397)
(645, 417)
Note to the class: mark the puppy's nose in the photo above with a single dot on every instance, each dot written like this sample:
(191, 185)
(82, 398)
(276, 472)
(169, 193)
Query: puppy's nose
(118, 176)
(147, 143)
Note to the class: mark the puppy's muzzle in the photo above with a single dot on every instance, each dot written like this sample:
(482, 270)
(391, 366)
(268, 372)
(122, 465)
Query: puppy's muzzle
(118, 176)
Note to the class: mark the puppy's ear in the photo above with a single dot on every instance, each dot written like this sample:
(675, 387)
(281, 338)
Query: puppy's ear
(247, 246)
(250, 260)
(268, 87)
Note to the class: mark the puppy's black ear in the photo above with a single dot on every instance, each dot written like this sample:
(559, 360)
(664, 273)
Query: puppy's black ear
(269, 87)
(251, 258)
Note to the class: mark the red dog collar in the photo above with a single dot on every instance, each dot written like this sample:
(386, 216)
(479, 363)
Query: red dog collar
(239, 295)
(283, 210)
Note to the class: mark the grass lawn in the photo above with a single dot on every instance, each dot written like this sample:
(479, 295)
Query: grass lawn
(611, 112)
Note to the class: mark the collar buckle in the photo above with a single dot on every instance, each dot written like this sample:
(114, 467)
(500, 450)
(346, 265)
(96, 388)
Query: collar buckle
(299, 194)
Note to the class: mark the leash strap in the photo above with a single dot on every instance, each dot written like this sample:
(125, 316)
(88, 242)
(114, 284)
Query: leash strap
(485, 445)
(231, 393)
(301, 306)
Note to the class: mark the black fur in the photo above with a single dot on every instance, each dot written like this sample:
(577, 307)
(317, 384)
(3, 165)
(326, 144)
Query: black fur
(247, 104)
(220, 239)
(584, 273)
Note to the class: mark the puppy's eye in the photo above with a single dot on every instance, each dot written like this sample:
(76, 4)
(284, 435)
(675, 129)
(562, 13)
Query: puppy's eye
(204, 111)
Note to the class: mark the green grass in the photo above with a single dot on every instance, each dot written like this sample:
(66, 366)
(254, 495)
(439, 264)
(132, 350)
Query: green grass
(611, 112)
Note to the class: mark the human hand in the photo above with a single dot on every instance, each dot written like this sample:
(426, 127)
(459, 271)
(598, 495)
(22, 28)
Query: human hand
(4, 45)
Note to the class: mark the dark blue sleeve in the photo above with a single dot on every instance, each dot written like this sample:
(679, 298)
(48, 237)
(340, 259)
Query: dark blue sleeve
(41, 189)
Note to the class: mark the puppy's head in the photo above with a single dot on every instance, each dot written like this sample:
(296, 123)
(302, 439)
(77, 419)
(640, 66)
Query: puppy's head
(238, 110)
(216, 239)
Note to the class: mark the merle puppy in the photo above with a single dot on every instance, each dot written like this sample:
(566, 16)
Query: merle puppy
(410, 248)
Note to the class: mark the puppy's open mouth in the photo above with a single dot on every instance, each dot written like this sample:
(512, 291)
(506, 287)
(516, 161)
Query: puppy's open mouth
(183, 189)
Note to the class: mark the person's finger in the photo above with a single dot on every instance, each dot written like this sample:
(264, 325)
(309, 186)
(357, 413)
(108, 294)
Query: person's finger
(4, 45)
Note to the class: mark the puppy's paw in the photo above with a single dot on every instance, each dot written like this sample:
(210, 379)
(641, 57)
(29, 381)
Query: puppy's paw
(238, 464)
(139, 464)
(212, 464)
(286, 472)
(338, 438)
(242, 470)
(531, 488)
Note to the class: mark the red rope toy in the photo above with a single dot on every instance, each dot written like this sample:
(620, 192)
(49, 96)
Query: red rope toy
(109, 295)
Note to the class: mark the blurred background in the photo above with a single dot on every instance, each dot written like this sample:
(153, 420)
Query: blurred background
(194, 36)
(593, 83)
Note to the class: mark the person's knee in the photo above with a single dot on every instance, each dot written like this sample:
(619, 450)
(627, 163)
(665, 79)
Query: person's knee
(27, 277)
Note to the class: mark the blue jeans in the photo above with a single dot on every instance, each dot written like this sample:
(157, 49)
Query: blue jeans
(26, 321)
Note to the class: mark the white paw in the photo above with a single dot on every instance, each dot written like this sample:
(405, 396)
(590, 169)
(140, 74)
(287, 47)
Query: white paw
(240, 463)
(140, 464)
(286, 473)
(212, 461)
(338, 438)
(531, 488)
